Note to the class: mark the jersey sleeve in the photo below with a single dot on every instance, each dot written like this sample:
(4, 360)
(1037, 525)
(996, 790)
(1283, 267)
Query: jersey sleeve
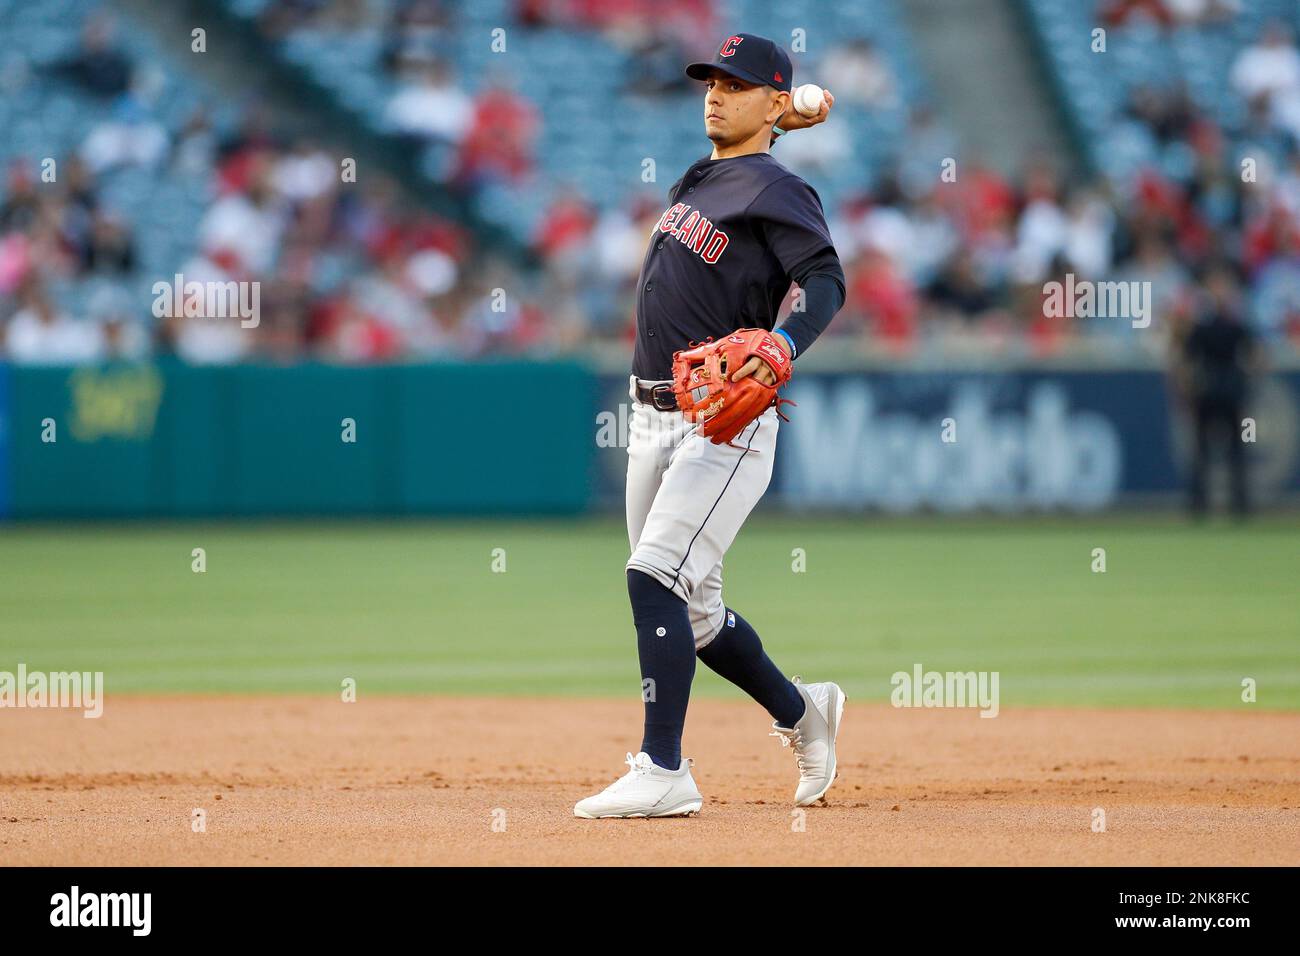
(788, 213)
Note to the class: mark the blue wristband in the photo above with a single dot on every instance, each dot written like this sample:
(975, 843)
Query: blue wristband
(794, 352)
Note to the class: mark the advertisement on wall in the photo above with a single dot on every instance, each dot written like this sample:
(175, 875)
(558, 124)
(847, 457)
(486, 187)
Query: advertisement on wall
(902, 443)
(1020, 442)
(176, 441)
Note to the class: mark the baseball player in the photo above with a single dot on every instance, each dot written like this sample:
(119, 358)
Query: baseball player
(739, 228)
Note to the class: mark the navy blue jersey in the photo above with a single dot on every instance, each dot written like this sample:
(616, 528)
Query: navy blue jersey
(737, 232)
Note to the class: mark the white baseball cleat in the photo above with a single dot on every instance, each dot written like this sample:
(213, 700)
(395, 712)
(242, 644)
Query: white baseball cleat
(647, 790)
(813, 739)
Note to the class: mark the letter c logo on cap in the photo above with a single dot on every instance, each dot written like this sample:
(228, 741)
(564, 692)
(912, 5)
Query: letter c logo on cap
(729, 47)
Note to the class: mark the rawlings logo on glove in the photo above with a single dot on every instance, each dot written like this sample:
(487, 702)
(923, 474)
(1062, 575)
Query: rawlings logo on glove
(706, 394)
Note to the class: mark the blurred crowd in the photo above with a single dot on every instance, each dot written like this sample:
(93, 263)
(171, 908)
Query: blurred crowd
(347, 270)
(657, 35)
(345, 273)
(1168, 13)
(954, 254)
(958, 254)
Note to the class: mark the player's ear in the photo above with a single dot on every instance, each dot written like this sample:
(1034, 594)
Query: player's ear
(777, 108)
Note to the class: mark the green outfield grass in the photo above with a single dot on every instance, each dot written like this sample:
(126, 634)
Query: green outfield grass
(1180, 617)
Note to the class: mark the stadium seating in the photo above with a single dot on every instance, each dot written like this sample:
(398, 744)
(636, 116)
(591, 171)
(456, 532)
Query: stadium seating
(600, 149)
(43, 115)
(1095, 90)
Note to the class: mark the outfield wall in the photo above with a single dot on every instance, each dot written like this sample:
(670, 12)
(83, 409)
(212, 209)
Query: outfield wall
(171, 440)
(168, 440)
(1009, 442)
(1020, 441)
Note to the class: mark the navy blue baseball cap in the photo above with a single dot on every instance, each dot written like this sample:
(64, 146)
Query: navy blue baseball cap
(751, 58)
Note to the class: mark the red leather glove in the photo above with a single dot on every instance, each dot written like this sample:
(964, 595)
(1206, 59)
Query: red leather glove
(706, 394)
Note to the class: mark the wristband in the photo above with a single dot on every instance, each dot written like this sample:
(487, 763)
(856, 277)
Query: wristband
(786, 335)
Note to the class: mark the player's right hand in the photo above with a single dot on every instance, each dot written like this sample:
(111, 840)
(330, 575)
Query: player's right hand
(792, 119)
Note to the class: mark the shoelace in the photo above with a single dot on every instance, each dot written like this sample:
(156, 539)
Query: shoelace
(637, 770)
(793, 739)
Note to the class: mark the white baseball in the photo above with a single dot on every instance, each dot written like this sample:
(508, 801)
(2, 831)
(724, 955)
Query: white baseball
(808, 99)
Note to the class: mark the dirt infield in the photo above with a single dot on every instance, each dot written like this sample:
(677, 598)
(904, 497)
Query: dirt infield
(417, 781)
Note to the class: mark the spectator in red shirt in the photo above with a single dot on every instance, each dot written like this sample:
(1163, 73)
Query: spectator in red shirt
(886, 297)
(499, 144)
(566, 226)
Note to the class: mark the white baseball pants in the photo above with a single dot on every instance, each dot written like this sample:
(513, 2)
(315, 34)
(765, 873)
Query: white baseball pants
(686, 501)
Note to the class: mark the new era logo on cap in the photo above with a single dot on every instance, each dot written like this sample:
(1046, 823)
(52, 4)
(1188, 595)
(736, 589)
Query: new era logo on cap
(751, 58)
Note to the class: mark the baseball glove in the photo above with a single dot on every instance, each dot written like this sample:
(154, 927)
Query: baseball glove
(706, 394)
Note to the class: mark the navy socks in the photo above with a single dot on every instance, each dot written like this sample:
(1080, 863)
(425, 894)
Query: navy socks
(737, 655)
(666, 646)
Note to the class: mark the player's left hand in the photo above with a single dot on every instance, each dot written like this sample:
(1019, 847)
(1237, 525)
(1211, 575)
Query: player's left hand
(760, 369)
(792, 119)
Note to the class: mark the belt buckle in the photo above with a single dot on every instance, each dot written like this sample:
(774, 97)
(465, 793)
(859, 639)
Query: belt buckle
(663, 398)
